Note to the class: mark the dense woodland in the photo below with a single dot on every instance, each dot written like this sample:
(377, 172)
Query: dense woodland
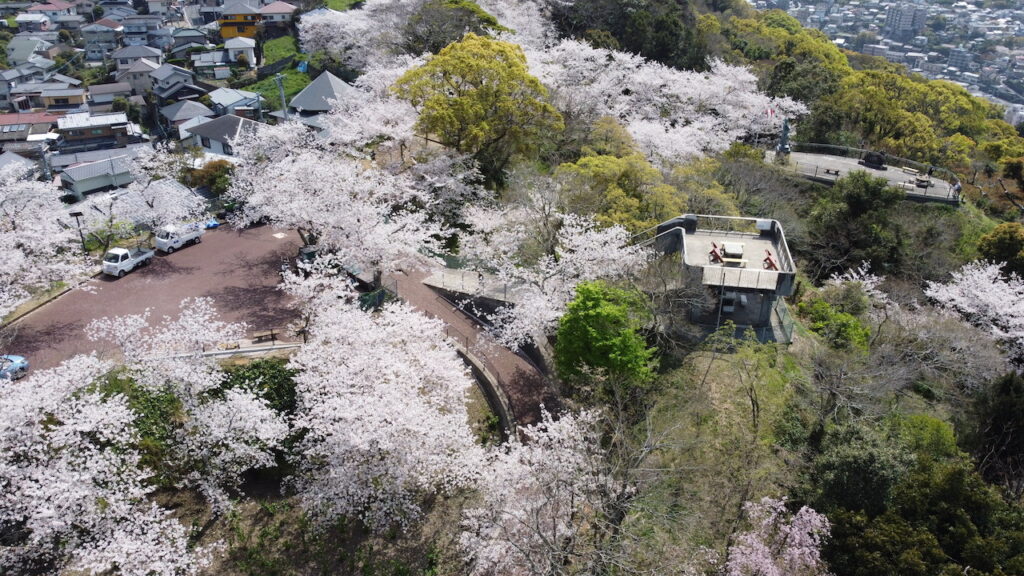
(532, 141)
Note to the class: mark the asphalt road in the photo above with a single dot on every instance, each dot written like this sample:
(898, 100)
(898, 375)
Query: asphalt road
(239, 270)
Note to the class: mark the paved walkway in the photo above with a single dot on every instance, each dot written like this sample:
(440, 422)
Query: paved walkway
(524, 386)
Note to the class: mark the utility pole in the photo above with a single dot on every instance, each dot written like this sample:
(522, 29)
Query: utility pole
(280, 90)
(76, 216)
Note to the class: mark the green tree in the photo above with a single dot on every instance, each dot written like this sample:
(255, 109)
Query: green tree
(852, 223)
(97, 13)
(600, 331)
(996, 437)
(215, 175)
(477, 96)
(628, 191)
(1005, 244)
(842, 331)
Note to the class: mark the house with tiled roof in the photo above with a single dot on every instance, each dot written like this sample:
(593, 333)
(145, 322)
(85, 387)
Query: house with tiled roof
(217, 135)
(315, 99)
(52, 9)
(129, 55)
(101, 38)
(277, 14)
(137, 76)
(180, 112)
(32, 22)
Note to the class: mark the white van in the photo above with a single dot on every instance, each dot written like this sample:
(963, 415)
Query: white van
(170, 238)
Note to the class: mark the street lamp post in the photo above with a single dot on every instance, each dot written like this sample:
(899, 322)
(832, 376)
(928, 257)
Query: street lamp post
(76, 215)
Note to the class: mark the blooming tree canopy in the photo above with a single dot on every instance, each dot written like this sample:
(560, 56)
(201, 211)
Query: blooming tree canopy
(672, 114)
(541, 255)
(779, 543)
(38, 241)
(987, 298)
(382, 400)
(224, 433)
(72, 489)
(537, 494)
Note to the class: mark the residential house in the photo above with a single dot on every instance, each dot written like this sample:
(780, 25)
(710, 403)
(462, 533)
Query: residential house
(138, 76)
(60, 162)
(118, 13)
(29, 95)
(73, 23)
(129, 55)
(140, 29)
(315, 99)
(211, 64)
(32, 22)
(52, 9)
(237, 102)
(180, 112)
(239, 19)
(84, 8)
(87, 177)
(64, 99)
(277, 15)
(31, 71)
(8, 9)
(184, 51)
(21, 49)
(744, 267)
(241, 48)
(21, 127)
(185, 36)
(210, 10)
(217, 135)
(159, 7)
(174, 82)
(86, 131)
(101, 96)
(101, 38)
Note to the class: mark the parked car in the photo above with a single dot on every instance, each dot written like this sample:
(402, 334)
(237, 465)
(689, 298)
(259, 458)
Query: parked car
(170, 238)
(13, 367)
(120, 261)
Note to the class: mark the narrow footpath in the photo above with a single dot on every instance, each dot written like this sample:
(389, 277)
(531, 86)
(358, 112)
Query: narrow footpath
(525, 388)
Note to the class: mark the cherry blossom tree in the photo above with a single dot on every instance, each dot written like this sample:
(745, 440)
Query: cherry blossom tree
(538, 494)
(224, 438)
(369, 219)
(154, 199)
(672, 114)
(223, 434)
(38, 241)
(381, 398)
(541, 254)
(779, 543)
(984, 296)
(72, 493)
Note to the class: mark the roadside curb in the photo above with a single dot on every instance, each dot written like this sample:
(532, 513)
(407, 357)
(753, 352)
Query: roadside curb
(41, 303)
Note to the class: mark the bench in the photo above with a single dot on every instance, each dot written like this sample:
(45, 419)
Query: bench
(742, 263)
(910, 171)
(832, 171)
(264, 336)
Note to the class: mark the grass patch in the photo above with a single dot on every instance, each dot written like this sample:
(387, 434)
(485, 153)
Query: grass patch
(280, 48)
(158, 414)
(341, 4)
(294, 82)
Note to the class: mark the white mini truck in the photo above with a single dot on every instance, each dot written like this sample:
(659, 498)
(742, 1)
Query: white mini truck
(120, 261)
(170, 237)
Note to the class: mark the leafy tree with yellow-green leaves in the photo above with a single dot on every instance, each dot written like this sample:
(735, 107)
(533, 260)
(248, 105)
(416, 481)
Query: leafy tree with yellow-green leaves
(477, 96)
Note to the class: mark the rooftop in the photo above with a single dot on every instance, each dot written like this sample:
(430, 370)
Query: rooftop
(278, 7)
(87, 120)
(112, 88)
(317, 96)
(229, 96)
(185, 110)
(224, 128)
(136, 52)
(741, 253)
